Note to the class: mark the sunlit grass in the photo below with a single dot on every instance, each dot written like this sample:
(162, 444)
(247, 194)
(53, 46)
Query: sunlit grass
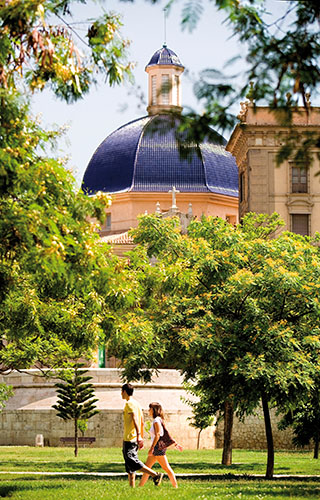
(32, 488)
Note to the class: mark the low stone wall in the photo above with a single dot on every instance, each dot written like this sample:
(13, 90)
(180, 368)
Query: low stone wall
(20, 427)
(29, 412)
(250, 434)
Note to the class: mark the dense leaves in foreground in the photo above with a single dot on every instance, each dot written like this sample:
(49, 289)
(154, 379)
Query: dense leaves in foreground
(59, 286)
(56, 280)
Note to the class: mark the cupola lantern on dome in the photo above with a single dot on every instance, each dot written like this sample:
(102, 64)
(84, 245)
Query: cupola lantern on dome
(164, 70)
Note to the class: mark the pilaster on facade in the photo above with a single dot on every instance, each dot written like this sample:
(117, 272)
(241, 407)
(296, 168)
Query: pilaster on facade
(266, 187)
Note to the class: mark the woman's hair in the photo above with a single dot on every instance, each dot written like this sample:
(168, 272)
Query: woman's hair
(157, 410)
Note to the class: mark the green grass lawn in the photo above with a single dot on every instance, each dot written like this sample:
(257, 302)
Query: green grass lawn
(21, 488)
(25, 458)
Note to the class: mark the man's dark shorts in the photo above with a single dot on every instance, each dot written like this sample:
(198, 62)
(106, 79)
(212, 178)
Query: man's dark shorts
(130, 455)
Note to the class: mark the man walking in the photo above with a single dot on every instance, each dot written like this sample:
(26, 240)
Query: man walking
(133, 438)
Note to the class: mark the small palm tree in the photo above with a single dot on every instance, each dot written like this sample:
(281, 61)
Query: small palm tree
(76, 399)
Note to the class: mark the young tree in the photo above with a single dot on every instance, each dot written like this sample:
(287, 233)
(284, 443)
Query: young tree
(230, 307)
(201, 418)
(76, 399)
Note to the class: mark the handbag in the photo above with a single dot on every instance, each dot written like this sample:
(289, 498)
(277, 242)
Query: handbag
(164, 441)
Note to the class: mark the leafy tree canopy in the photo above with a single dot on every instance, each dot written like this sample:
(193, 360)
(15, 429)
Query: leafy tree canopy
(59, 287)
(235, 310)
(40, 47)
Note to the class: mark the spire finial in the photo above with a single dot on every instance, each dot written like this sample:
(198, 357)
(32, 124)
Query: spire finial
(165, 26)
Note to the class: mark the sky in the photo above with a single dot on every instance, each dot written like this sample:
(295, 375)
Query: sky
(90, 120)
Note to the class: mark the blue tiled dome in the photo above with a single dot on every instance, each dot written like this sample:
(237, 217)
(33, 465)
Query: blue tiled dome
(164, 56)
(143, 155)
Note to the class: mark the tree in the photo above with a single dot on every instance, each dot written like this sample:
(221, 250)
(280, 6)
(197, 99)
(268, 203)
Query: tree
(54, 277)
(230, 308)
(57, 283)
(76, 399)
(201, 418)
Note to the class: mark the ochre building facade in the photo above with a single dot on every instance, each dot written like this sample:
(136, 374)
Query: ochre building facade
(291, 189)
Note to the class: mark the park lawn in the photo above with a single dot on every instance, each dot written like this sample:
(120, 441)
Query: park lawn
(27, 458)
(32, 488)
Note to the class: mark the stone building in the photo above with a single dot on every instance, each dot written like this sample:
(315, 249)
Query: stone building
(292, 190)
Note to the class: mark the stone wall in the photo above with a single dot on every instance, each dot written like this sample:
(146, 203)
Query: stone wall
(20, 427)
(250, 434)
(29, 412)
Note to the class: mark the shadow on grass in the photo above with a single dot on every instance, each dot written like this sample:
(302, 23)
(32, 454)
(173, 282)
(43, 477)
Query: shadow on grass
(85, 466)
(7, 490)
(63, 466)
(209, 466)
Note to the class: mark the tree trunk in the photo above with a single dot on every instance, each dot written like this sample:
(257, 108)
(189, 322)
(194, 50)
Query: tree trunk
(227, 434)
(75, 437)
(267, 423)
(316, 447)
(198, 442)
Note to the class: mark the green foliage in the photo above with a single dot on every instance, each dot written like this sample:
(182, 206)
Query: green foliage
(235, 310)
(76, 399)
(82, 425)
(201, 417)
(75, 395)
(5, 393)
(54, 277)
(38, 44)
(57, 284)
(305, 420)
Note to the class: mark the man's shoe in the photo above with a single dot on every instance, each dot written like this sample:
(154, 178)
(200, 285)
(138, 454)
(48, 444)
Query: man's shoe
(157, 479)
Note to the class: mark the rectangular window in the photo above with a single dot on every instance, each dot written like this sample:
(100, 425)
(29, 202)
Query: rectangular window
(108, 222)
(299, 180)
(165, 89)
(106, 226)
(241, 188)
(154, 89)
(176, 91)
(300, 224)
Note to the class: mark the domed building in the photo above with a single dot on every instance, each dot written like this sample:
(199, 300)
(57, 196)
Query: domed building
(141, 164)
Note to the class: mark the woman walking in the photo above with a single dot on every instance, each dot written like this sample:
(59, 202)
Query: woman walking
(155, 453)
